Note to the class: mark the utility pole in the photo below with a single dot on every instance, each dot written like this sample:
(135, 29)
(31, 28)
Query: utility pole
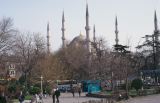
(41, 84)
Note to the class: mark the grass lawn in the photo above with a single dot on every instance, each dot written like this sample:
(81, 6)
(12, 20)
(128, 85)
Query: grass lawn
(28, 97)
(133, 92)
(107, 92)
(14, 101)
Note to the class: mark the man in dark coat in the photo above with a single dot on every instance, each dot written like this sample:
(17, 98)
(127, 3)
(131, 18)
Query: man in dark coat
(21, 98)
(57, 93)
(53, 95)
(72, 90)
(3, 99)
(79, 91)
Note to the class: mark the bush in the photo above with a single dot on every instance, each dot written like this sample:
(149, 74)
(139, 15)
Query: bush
(22, 80)
(12, 88)
(34, 90)
(2, 99)
(48, 90)
(137, 84)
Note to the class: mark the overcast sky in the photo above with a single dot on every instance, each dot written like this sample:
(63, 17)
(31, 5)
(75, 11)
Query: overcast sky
(135, 18)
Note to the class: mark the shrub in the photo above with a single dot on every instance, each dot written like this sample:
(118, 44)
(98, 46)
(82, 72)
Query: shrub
(12, 87)
(34, 90)
(22, 80)
(48, 90)
(137, 84)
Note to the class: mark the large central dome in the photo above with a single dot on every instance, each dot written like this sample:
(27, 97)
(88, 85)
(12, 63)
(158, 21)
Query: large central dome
(78, 40)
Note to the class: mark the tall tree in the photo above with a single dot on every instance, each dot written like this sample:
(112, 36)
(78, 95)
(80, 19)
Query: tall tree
(28, 49)
(6, 34)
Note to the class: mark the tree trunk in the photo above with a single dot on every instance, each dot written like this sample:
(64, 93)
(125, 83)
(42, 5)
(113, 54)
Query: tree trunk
(127, 94)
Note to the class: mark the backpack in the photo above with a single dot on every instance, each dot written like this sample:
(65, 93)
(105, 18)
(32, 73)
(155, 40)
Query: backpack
(21, 98)
(57, 93)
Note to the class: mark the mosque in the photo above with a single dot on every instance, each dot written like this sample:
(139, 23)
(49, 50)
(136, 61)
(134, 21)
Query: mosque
(85, 41)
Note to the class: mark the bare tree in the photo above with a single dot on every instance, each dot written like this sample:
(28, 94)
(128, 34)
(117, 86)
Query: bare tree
(28, 49)
(100, 60)
(7, 32)
(76, 59)
(50, 68)
(125, 67)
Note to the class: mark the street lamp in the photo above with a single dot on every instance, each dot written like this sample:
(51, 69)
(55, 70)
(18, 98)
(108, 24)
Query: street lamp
(112, 81)
(41, 84)
(141, 78)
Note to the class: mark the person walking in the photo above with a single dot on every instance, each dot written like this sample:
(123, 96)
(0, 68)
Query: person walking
(33, 99)
(2, 98)
(79, 91)
(53, 95)
(57, 93)
(21, 97)
(37, 98)
(72, 90)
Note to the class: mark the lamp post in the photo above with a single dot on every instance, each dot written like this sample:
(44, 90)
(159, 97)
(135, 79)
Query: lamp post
(41, 84)
(112, 81)
(142, 78)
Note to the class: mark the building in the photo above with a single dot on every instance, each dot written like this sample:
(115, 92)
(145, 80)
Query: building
(80, 39)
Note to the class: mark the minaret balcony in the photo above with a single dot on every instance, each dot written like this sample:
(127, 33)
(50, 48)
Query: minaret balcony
(87, 28)
(63, 29)
(63, 38)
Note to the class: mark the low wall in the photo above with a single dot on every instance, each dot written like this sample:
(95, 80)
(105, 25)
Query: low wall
(98, 95)
(101, 101)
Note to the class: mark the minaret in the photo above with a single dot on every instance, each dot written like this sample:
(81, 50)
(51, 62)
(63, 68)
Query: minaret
(48, 44)
(156, 31)
(155, 22)
(63, 32)
(156, 42)
(156, 34)
(87, 29)
(94, 34)
(116, 31)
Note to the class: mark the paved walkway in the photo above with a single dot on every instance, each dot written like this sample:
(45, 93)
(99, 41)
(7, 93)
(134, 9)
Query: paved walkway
(68, 98)
(145, 99)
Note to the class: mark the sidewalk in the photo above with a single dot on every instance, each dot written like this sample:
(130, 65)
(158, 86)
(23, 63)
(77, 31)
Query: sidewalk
(144, 99)
(68, 98)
